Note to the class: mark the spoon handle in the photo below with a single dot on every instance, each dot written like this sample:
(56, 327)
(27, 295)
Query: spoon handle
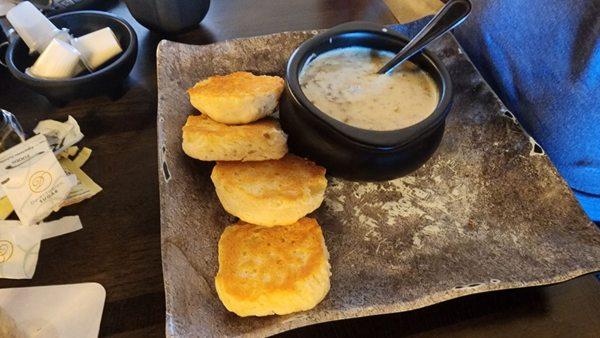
(450, 16)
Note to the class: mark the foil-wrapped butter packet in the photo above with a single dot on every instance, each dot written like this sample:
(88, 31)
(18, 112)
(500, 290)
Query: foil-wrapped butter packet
(33, 179)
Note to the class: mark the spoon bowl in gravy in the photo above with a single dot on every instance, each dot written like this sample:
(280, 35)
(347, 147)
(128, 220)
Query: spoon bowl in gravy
(358, 124)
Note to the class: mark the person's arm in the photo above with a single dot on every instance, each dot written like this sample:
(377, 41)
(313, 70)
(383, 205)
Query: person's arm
(543, 59)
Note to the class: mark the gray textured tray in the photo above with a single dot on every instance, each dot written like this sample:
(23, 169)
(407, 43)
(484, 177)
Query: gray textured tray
(484, 214)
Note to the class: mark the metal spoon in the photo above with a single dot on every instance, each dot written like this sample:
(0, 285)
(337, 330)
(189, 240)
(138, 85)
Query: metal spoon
(450, 16)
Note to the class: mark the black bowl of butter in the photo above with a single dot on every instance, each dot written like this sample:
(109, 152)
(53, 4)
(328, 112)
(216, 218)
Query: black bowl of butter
(360, 125)
(107, 79)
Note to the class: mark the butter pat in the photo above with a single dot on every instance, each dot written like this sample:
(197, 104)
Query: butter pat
(33, 180)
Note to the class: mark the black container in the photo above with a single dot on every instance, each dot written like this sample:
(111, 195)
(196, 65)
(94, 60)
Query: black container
(351, 152)
(107, 79)
(168, 17)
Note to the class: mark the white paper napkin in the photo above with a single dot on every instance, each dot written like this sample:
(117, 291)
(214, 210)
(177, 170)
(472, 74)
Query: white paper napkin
(53, 311)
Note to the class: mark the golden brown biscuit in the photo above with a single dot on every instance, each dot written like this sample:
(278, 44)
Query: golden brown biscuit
(274, 192)
(272, 270)
(208, 140)
(237, 98)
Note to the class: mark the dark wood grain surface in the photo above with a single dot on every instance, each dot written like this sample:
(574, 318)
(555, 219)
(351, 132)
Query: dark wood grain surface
(119, 246)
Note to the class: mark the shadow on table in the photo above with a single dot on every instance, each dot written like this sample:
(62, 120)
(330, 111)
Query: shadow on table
(502, 306)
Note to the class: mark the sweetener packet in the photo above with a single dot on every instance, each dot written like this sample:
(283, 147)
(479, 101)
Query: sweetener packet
(84, 187)
(33, 180)
(20, 244)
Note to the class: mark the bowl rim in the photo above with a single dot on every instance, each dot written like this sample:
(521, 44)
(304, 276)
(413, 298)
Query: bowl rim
(127, 53)
(382, 140)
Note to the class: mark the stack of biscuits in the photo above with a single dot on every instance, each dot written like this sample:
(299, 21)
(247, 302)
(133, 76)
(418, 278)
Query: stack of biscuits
(274, 259)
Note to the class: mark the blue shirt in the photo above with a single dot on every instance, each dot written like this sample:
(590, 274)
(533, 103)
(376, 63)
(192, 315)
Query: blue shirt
(543, 60)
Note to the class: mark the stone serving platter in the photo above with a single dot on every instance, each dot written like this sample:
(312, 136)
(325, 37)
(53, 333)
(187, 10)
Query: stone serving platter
(487, 212)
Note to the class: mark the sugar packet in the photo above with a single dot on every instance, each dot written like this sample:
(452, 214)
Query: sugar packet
(61, 136)
(19, 248)
(84, 187)
(33, 180)
(20, 244)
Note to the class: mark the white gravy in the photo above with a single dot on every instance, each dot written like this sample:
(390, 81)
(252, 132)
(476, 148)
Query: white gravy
(343, 84)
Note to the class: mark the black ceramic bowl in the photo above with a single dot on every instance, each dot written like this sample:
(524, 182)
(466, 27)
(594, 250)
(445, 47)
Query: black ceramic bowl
(168, 17)
(351, 152)
(105, 80)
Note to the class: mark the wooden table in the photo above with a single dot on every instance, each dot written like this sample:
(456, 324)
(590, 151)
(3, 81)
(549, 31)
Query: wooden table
(119, 246)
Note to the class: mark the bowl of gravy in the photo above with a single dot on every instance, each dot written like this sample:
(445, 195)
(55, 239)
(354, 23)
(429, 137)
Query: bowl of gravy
(358, 124)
